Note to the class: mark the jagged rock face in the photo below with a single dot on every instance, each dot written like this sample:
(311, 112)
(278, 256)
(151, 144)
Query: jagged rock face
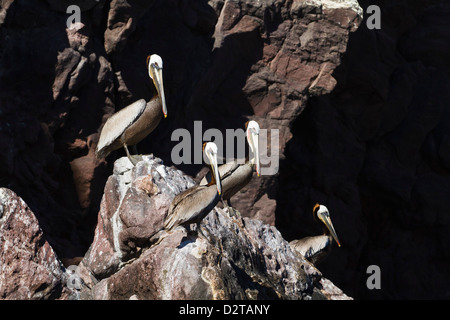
(375, 151)
(268, 58)
(29, 267)
(132, 210)
(238, 258)
(257, 59)
(235, 258)
(55, 86)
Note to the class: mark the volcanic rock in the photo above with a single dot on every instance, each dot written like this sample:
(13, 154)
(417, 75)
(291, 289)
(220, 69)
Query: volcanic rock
(361, 113)
(258, 59)
(240, 258)
(29, 267)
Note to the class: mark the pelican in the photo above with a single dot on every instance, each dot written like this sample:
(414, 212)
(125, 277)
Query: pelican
(315, 249)
(192, 205)
(133, 123)
(235, 176)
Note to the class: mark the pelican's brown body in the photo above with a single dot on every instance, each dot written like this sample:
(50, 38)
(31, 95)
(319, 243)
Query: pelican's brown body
(129, 125)
(314, 249)
(191, 206)
(233, 176)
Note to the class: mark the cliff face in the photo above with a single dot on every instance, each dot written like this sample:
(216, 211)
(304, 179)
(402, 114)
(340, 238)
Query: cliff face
(234, 258)
(377, 151)
(363, 126)
(224, 62)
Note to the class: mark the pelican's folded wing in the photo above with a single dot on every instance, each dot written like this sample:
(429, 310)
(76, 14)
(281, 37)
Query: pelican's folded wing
(119, 122)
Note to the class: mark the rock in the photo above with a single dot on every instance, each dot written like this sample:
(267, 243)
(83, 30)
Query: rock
(45, 129)
(63, 5)
(239, 61)
(370, 150)
(240, 258)
(269, 57)
(361, 116)
(133, 208)
(29, 268)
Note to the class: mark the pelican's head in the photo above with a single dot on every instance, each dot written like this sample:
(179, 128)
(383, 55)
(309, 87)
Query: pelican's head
(155, 66)
(321, 213)
(210, 150)
(252, 131)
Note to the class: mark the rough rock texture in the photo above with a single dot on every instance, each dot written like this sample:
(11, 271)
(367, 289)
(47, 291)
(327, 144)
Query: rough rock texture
(240, 258)
(55, 86)
(29, 268)
(376, 152)
(268, 58)
(132, 210)
(257, 59)
(374, 149)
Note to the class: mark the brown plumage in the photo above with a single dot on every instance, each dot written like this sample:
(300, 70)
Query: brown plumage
(192, 205)
(236, 176)
(133, 123)
(129, 126)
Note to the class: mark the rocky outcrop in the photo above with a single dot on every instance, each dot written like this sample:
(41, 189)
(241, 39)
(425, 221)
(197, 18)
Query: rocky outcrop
(259, 59)
(29, 267)
(361, 116)
(375, 150)
(268, 58)
(239, 258)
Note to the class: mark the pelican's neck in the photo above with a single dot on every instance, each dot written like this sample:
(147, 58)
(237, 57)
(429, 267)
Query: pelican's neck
(251, 144)
(213, 179)
(325, 230)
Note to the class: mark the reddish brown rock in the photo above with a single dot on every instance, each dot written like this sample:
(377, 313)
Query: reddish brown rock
(370, 151)
(289, 55)
(238, 259)
(375, 147)
(256, 59)
(132, 210)
(29, 268)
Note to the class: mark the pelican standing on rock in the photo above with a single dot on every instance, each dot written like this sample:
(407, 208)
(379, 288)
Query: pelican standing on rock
(192, 205)
(133, 123)
(315, 249)
(235, 176)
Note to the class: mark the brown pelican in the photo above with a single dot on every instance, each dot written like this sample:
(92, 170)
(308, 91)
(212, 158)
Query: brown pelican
(315, 249)
(192, 205)
(133, 123)
(235, 176)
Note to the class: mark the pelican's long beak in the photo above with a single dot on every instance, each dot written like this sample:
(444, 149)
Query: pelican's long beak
(156, 75)
(327, 221)
(215, 172)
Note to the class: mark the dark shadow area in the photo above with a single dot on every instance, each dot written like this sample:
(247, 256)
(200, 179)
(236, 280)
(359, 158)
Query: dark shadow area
(245, 281)
(28, 163)
(47, 120)
(373, 152)
(200, 85)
